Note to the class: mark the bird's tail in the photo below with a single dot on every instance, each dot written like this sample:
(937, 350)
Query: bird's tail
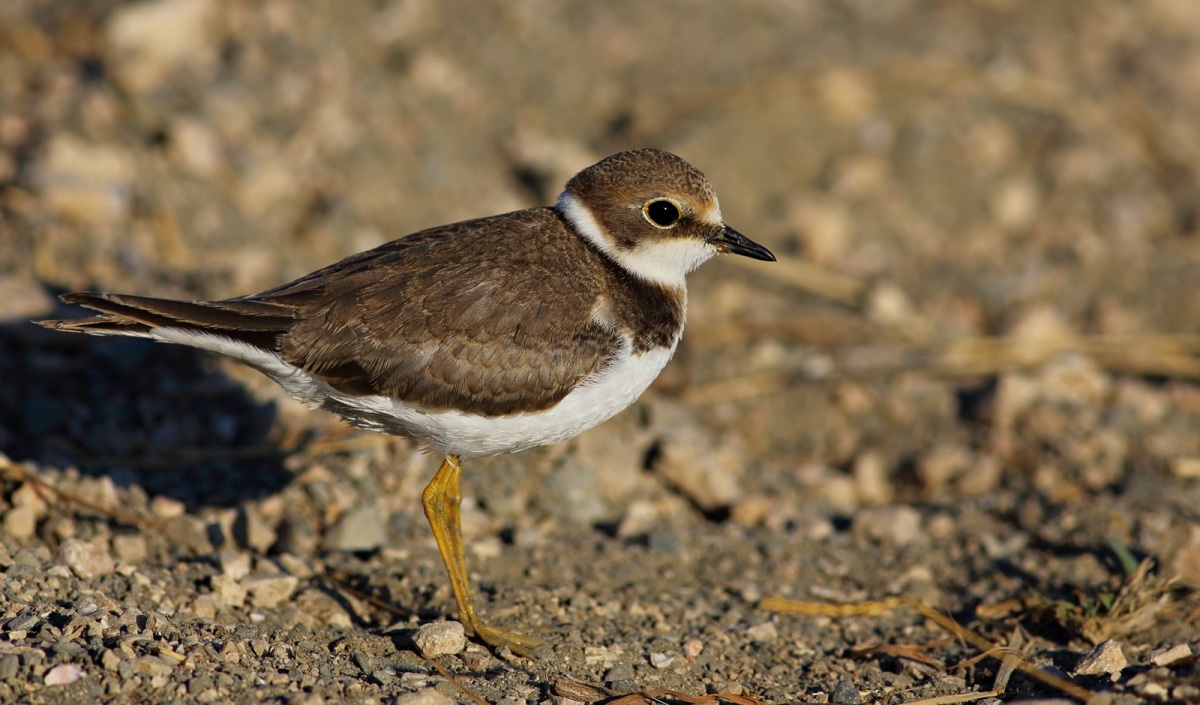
(258, 323)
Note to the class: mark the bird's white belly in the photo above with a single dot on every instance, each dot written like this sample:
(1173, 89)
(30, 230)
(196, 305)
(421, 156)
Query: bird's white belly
(473, 435)
(469, 435)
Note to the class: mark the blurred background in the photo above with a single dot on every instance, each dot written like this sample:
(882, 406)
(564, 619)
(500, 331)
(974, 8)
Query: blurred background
(983, 327)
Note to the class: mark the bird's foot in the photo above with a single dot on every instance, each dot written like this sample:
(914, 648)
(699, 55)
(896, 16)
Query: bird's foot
(519, 643)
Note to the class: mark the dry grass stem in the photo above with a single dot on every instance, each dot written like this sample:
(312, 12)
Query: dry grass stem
(17, 473)
(879, 607)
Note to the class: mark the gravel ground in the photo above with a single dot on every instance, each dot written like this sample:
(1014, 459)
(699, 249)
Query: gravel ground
(970, 380)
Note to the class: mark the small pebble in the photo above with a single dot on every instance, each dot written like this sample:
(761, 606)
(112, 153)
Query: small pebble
(27, 495)
(84, 180)
(664, 540)
(618, 673)
(425, 696)
(753, 511)
(268, 591)
(440, 639)
(110, 660)
(297, 535)
(323, 609)
(412, 680)
(1180, 554)
(234, 564)
(871, 479)
(844, 693)
(63, 674)
(149, 41)
(231, 592)
(693, 648)
(692, 462)
(294, 565)
(20, 522)
(1105, 658)
(763, 633)
(1170, 655)
(190, 533)
(360, 529)
(893, 525)
(9, 665)
(151, 666)
(37, 558)
(1152, 690)
(129, 548)
(86, 560)
(599, 656)
(251, 531)
(21, 622)
(661, 660)
(1186, 692)
(166, 507)
(729, 688)
(1186, 467)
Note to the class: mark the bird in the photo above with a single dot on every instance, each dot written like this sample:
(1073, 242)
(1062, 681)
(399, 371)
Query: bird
(476, 338)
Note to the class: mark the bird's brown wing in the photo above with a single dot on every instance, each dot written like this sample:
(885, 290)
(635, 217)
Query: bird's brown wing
(446, 319)
(488, 317)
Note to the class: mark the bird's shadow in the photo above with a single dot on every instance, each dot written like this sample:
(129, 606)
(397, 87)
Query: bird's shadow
(162, 417)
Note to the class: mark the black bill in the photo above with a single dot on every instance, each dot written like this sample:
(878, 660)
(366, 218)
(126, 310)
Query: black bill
(731, 240)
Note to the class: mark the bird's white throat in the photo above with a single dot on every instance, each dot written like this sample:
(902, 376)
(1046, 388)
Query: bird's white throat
(666, 262)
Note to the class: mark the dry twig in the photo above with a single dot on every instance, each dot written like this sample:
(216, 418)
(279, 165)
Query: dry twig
(456, 683)
(878, 607)
(19, 474)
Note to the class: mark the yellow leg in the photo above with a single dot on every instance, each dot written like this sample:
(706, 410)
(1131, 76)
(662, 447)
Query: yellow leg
(442, 501)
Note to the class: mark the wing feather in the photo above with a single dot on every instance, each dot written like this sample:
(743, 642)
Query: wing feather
(470, 335)
(492, 316)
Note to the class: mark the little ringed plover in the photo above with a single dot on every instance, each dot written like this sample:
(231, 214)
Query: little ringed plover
(477, 338)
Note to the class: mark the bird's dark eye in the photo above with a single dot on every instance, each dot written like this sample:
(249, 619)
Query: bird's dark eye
(664, 214)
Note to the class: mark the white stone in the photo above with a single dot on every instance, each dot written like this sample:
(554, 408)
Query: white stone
(267, 591)
(1171, 655)
(91, 183)
(705, 471)
(894, 525)
(1105, 658)
(20, 522)
(230, 592)
(660, 660)
(1186, 467)
(130, 548)
(440, 639)
(64, 674)
(234, 564)
(425, 696)
(151, 40)
(86, 560)
(763, 633)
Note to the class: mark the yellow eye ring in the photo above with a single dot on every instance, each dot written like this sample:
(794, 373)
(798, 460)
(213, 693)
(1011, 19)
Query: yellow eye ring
(661, 213)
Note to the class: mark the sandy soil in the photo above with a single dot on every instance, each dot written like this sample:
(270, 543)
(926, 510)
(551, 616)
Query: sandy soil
(970, 380)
